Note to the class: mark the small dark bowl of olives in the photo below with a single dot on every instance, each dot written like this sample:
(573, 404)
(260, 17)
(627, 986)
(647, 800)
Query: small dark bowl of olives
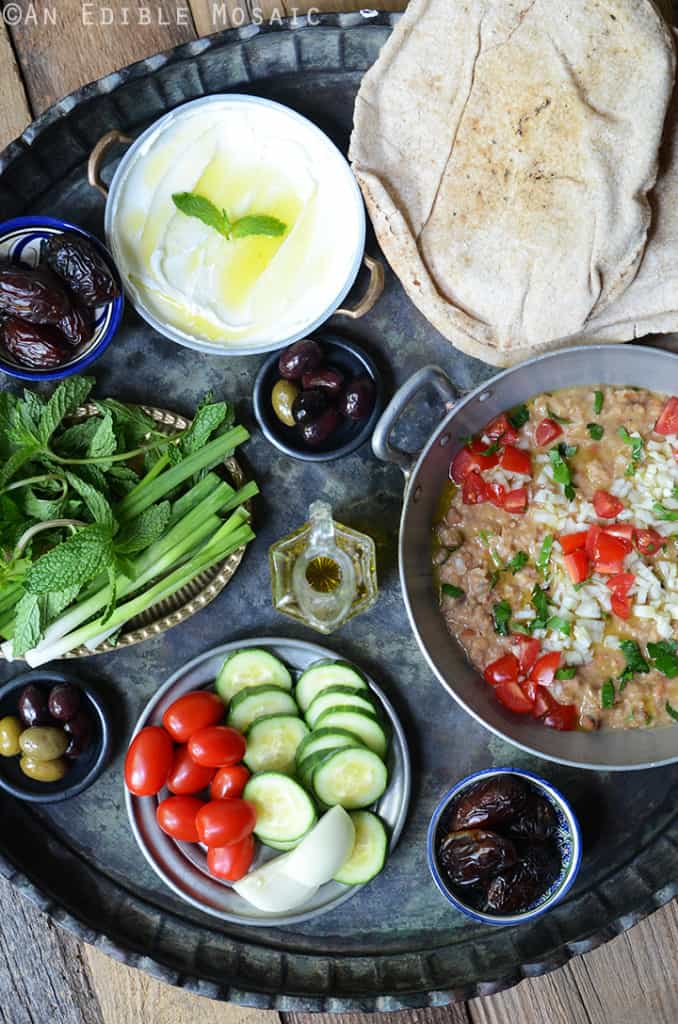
(319, 399)
(54, 736)
(61, 298)
(504, 846)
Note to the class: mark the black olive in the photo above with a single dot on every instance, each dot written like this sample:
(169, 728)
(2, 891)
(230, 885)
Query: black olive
(357, 401)
(300, 358)
(309, 405)
(467, 857)
(319, 430)
(490, 803)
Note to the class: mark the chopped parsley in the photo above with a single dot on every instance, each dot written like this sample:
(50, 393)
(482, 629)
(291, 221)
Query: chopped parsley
(637, 444)
(635, 662)
(598, 400)
(664, 657)
(561, 470)
(566, 673)
(563, 420)
(667, 515)
(607, 694)
(671, 711)
(562, 625)
(501, 613)
(595, 431)
(518, 562)
(450, 590)
(519, 416)
(491, 450)
(545, 553)
(540, 603)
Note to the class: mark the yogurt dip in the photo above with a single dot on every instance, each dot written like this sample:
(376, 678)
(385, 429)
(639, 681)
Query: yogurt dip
(249, 157)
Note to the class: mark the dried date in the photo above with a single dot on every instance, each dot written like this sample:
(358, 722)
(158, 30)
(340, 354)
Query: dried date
(77, 326)
(469, 856)
(32, 293)
(39, 346)
(515, 890)
(79, 264)
(490, 803)
(537, 820)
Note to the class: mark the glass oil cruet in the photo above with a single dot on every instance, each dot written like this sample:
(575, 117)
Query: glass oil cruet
(324, 573)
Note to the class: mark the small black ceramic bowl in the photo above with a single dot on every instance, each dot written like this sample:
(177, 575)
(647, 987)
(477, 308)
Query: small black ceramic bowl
(352, 361)
(83, 770)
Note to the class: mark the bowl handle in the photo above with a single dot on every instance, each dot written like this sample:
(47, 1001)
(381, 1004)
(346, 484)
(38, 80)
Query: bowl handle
(381, 439)
(97, 155)
(374, 290)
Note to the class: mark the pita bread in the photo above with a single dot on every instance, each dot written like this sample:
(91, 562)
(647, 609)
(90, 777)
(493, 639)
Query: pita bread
(505, 149)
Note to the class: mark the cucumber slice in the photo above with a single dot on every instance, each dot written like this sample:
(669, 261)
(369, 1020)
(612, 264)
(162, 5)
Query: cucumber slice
(285, 811)
(326, 739)
(309, 765)
(272, 743)
(251, 667)
(323, 674)
(370, 849)
(352, 777)
(338, 696)
(259, 702)
(284, 847)
(366, 726)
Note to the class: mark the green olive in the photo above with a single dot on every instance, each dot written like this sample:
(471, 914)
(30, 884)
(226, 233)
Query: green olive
(282, 398)
(43, 771)
(10, 730)
(43, 742)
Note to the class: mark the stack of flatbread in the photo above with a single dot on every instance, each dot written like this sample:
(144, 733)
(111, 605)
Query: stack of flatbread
(510, 154)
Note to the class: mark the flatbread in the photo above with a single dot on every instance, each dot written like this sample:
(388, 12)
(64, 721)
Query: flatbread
(505, 149)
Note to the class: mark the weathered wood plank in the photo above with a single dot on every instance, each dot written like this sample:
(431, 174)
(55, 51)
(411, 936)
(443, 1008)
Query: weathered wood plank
(456, 1014)
(43, 976)
(63, 45)
(15, 113)
(215, 15)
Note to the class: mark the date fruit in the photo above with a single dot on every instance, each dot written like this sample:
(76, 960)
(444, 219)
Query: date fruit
(80, 265)
(537, 820)
(40, 346)
(490, 803)
(469, 856)
(32, 293)
(300, 358)
(77, 326)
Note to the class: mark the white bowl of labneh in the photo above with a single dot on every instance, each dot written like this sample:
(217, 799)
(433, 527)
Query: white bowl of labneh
(236, 224)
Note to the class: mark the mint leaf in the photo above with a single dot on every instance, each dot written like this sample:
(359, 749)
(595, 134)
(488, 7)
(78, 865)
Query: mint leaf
(28, 627)
(54, 603)
(30, 410)
(64, 401)
(144, 530)
(258, 225)
(13, 464)
(131, 423)
(193, 205)
(41, 509)
(96, 503)
(113, 597)
(103, 441)
(76, 439)
(75, 561)
(208, 417)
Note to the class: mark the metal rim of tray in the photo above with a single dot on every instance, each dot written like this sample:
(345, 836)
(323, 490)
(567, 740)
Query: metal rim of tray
(650, 899)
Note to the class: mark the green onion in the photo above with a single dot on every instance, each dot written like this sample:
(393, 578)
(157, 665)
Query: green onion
(607, 694)
(558, 419)
(545, 553)
(518, 562)
(595, 431)
(566, 673)
(450, 590)
(502, 615)
(598, 400)
(562, 625)
(671, 711)
(636, 443)
(519, 416)
(667, 515)
(561, 470)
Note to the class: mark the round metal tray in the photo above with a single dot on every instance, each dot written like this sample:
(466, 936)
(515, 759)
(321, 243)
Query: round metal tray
(183, 867)
(399, 945)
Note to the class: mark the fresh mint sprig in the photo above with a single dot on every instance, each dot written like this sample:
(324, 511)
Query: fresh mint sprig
(193, 205)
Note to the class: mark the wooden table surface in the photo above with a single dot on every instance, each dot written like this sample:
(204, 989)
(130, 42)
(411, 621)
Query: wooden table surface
(47, 49)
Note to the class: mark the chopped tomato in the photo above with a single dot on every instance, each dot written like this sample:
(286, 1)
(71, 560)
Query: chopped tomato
(563, 717)
(503, 670)
(609, 550)
(592, 536)
(621, 582)
(573, 541)
(478, 449)
(543, 702)
(649, 542)
(474, 489)
(577, 565)
(544, 671)
(500, 429)
(606, 505)
(668, 421)
(622, 530)
(621, 604)
(516, 460)
(471, 460)
(531, 691)
(516, 501)
(513, 698)
(528, 651)
(547, 431)
(496, 493)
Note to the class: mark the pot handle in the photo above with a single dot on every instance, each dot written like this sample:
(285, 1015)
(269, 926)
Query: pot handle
(381, 439)
(374, 290)
(97, 155)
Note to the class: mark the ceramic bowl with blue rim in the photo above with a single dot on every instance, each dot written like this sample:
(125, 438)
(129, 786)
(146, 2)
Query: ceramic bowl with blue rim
(567, 839)
(20, 242)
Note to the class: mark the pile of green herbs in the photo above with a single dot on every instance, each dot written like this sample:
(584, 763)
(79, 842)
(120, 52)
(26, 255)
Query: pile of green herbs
(103, 516)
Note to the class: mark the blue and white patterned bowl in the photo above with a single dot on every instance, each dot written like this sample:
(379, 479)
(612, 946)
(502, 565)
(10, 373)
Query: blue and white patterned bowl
(568, 839)
(20, 241)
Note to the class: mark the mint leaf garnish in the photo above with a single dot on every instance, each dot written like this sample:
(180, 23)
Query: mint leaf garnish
(193, 205)
(27, 627)
(75, 561)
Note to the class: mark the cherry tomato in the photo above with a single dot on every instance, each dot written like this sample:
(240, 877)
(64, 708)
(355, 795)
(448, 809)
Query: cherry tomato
(577, 565)
(573, 541)
(186, 776)
(516, 460)
(528, 651)
(548, 430)
(500, 429)
(621, 604)
(503, 670)
(191, 712)
(496, 494)
(222, 822)
(606, 505)
(668, 420)
(649, 542)
(231, 862)
(516, 501)
(217, 745)
(622, 582)
(544, 671)
(148, 761)
(176, 817)
(229, 782)
(474, 489)
(514, 698)
(563, 717)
